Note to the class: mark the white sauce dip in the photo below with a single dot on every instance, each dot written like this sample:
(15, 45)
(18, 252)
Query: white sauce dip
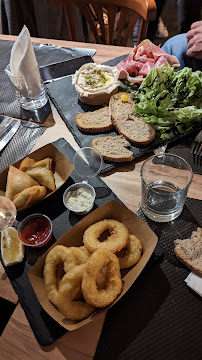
(79, 199)
(94, 78)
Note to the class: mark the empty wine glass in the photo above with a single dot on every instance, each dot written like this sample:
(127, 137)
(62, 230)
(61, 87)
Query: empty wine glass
(87, 163)
(80, 197)
(34, 230)
(7, 213)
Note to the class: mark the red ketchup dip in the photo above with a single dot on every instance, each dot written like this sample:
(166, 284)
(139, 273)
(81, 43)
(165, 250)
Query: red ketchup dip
(35, 230)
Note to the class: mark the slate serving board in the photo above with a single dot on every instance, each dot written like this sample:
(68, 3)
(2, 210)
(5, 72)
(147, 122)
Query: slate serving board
(45, 329)
(64, 97)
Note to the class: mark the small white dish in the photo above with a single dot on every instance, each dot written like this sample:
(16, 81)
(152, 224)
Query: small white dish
(72, 198)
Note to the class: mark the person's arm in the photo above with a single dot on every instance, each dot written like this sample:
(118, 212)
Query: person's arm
(194, 37)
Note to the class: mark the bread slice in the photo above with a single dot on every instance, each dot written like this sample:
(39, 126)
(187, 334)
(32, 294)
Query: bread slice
(189, 251)
(94, 121)
(113, 148)
(118, 109)
(133, 127)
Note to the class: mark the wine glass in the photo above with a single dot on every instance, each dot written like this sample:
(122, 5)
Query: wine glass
(37, 227)
(8, 213)
(87, 163)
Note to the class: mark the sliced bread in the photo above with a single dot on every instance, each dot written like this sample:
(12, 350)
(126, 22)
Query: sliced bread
(120, 109)
(136, 130)
(189, 251)
(133, 127)
(113, 148)
(94, 121)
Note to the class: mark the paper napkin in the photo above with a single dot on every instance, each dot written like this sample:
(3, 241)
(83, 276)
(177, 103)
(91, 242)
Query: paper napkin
(23, 65)
(194, 282)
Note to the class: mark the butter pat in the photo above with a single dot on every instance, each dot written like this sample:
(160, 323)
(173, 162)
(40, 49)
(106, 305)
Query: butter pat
(124, 98)
(95, 84)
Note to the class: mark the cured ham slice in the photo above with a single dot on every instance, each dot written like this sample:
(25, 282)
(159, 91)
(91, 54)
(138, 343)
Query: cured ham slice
(142, 59)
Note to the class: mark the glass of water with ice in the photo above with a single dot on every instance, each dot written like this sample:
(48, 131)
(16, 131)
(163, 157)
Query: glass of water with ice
(165, 180)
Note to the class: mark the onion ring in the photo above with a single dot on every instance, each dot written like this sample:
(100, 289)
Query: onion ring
(81, 254)
(118, 239)
(101, 279)
(133, 254)
(103, 297)
(68, 289)
(59, 254)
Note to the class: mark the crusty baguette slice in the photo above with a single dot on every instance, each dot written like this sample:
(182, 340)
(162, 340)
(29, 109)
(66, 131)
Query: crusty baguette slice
(133, 127)
(113, 148)
(189, 251)
(94, 121)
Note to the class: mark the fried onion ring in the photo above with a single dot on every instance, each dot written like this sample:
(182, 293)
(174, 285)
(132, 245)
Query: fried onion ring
(118, 239)
(133, 253)
(68, 289)
(59, 254)
(81, 254)
(103, 297)
(101, 279)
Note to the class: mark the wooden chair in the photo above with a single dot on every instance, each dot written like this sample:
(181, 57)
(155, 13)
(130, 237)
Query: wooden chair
(111, 21)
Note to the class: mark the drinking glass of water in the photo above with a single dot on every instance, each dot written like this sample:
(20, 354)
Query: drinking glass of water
(165, 180)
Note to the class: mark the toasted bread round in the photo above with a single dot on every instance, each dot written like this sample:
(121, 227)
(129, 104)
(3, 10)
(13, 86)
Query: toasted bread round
(119, 109)
(94, 121)
(113, 148)
(131, 126)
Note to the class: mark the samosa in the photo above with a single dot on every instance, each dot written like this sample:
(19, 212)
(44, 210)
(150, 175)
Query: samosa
(29, 196)
(17, 181)
(28, 163)
(40, 171)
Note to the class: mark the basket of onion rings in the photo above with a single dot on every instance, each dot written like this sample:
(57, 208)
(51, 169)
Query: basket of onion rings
(93, 265)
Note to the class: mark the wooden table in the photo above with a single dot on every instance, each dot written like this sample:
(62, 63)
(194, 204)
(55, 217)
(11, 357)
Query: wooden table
(17, 340)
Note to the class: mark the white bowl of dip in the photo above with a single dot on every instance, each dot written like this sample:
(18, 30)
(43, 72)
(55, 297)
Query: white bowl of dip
(96, 83)
(79, 198)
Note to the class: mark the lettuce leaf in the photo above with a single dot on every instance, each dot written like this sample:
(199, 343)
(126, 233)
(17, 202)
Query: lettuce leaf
(170, 100)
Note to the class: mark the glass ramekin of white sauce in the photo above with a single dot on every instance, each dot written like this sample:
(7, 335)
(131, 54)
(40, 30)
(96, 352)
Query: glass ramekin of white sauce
(79, 198)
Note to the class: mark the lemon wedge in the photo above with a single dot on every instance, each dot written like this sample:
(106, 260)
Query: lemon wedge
(12, 250)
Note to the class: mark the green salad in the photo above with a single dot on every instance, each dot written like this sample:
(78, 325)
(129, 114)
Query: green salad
(170, 100)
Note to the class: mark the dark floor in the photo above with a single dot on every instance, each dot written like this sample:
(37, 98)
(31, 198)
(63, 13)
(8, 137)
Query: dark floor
(169, 16)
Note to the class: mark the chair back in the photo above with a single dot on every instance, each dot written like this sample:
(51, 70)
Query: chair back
(111, 21)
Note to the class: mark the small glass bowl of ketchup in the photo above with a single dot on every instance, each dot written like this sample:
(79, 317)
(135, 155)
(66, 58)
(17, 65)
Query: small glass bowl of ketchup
(35, 230)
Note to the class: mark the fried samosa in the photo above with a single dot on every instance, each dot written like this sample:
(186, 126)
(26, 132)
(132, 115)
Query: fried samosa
(28, 164)
(43, 176)
(17, 181)
(40, 171)
(29, 196)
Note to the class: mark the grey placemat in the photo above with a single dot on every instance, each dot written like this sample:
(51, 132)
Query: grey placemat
(28, 133)
(160, 317)
(184, 150)
(46, 55)
(21, 144)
